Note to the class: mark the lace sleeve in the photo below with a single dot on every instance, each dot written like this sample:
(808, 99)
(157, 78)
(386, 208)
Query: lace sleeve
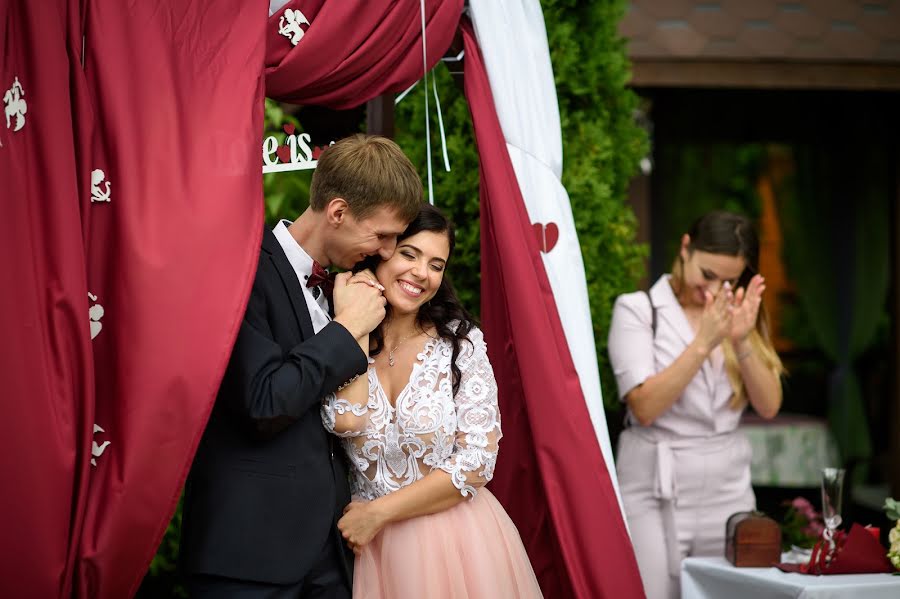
(471, 465)
(344, 418)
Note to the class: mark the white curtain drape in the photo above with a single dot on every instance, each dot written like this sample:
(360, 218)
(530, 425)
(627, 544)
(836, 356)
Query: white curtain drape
(513, 41)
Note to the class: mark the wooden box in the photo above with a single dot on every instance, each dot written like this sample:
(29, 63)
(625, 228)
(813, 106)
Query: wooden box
(752, 540)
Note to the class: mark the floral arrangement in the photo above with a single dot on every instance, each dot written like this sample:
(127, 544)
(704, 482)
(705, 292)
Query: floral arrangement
(801, 525)
(892, 509)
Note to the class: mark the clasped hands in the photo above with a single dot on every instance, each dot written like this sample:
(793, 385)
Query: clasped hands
(359, 303)
(731, 314)
(360, 523)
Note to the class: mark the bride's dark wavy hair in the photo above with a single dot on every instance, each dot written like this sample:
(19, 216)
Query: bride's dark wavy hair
(441, 310)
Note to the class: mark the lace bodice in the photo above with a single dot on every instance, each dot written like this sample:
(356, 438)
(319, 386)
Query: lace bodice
(393, 446)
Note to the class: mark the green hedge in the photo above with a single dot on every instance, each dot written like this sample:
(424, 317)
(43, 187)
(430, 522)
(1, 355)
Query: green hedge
(602, 146)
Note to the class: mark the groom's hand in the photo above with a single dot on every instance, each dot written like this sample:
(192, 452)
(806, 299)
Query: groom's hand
(359, 308)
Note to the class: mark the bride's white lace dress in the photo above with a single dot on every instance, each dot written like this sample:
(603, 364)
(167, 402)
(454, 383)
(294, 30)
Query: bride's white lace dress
(471, 550)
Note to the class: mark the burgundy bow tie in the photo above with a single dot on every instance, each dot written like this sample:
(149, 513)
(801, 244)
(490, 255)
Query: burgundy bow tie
(321, 278)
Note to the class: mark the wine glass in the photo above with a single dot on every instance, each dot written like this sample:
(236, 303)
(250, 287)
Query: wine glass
(832, 490)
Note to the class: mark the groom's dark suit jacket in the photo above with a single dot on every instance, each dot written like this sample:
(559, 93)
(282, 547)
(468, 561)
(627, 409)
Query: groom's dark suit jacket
(268, 483)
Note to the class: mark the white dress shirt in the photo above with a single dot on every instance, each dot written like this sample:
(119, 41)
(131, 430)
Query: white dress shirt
(302, 265)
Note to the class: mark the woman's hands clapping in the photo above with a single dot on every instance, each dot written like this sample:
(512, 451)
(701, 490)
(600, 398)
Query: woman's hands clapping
(730, 315)
(716, 319)
(745, 309)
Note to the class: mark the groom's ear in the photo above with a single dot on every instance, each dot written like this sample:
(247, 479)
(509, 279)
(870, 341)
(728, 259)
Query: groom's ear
(336, 211)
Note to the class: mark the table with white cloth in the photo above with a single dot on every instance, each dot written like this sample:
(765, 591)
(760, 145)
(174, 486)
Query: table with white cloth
(715, 578)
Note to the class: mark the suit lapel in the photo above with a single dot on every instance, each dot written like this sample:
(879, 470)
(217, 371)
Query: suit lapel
(289, 280)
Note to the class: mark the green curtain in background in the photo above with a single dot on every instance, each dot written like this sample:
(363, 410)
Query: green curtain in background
(835, 218)
(700, 177)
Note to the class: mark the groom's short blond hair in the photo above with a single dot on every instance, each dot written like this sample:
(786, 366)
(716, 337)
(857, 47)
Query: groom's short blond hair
(368, 172)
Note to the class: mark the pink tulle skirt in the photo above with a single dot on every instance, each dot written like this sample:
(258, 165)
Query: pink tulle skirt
(472, 550)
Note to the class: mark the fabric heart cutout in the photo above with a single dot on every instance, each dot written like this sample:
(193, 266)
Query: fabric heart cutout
(289, 128)
(284, 153)
(547, 236)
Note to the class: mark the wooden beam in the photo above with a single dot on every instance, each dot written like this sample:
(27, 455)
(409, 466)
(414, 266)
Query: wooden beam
(764, 75)
(380, 116)
(639, 199)
(893, 462)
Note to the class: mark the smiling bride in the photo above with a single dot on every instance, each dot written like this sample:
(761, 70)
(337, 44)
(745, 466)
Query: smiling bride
(421, 432)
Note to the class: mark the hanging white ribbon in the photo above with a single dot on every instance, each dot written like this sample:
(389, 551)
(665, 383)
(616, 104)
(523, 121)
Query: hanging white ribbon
(427, 125)
(437, 105)
(437, 102)
(440, 115)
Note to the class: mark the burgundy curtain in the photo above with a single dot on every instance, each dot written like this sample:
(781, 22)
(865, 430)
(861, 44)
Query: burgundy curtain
(356, 50)
(46, 365)
(550, 476)
(137, 178)
(177, 100)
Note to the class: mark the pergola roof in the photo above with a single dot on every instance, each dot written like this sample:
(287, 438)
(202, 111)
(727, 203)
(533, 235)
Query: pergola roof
(841, 36)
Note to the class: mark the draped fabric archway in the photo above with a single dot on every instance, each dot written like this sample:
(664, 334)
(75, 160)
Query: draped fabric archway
(135, 199)
(134, 206)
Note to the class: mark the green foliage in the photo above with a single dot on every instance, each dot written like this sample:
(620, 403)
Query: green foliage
(602, 146)
(892, 508)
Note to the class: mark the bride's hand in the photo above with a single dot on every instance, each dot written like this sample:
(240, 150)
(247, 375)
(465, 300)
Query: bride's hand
(360, 523)
(366, 277)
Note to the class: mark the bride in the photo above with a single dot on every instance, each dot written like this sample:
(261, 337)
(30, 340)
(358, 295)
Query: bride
(421, 432)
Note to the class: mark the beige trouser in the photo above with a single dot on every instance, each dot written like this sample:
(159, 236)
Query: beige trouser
(678, 493)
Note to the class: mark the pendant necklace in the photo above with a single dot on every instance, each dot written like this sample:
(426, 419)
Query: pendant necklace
(391, 353)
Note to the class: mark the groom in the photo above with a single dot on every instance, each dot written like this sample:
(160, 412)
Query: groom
(268, 484)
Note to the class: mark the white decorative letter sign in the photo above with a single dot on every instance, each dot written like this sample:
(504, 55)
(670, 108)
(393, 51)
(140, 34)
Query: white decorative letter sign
(97, 450)
(99, 194)
(270, 144)
(15, 108)
(96, 313)
(295, 155)
(291, 29)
